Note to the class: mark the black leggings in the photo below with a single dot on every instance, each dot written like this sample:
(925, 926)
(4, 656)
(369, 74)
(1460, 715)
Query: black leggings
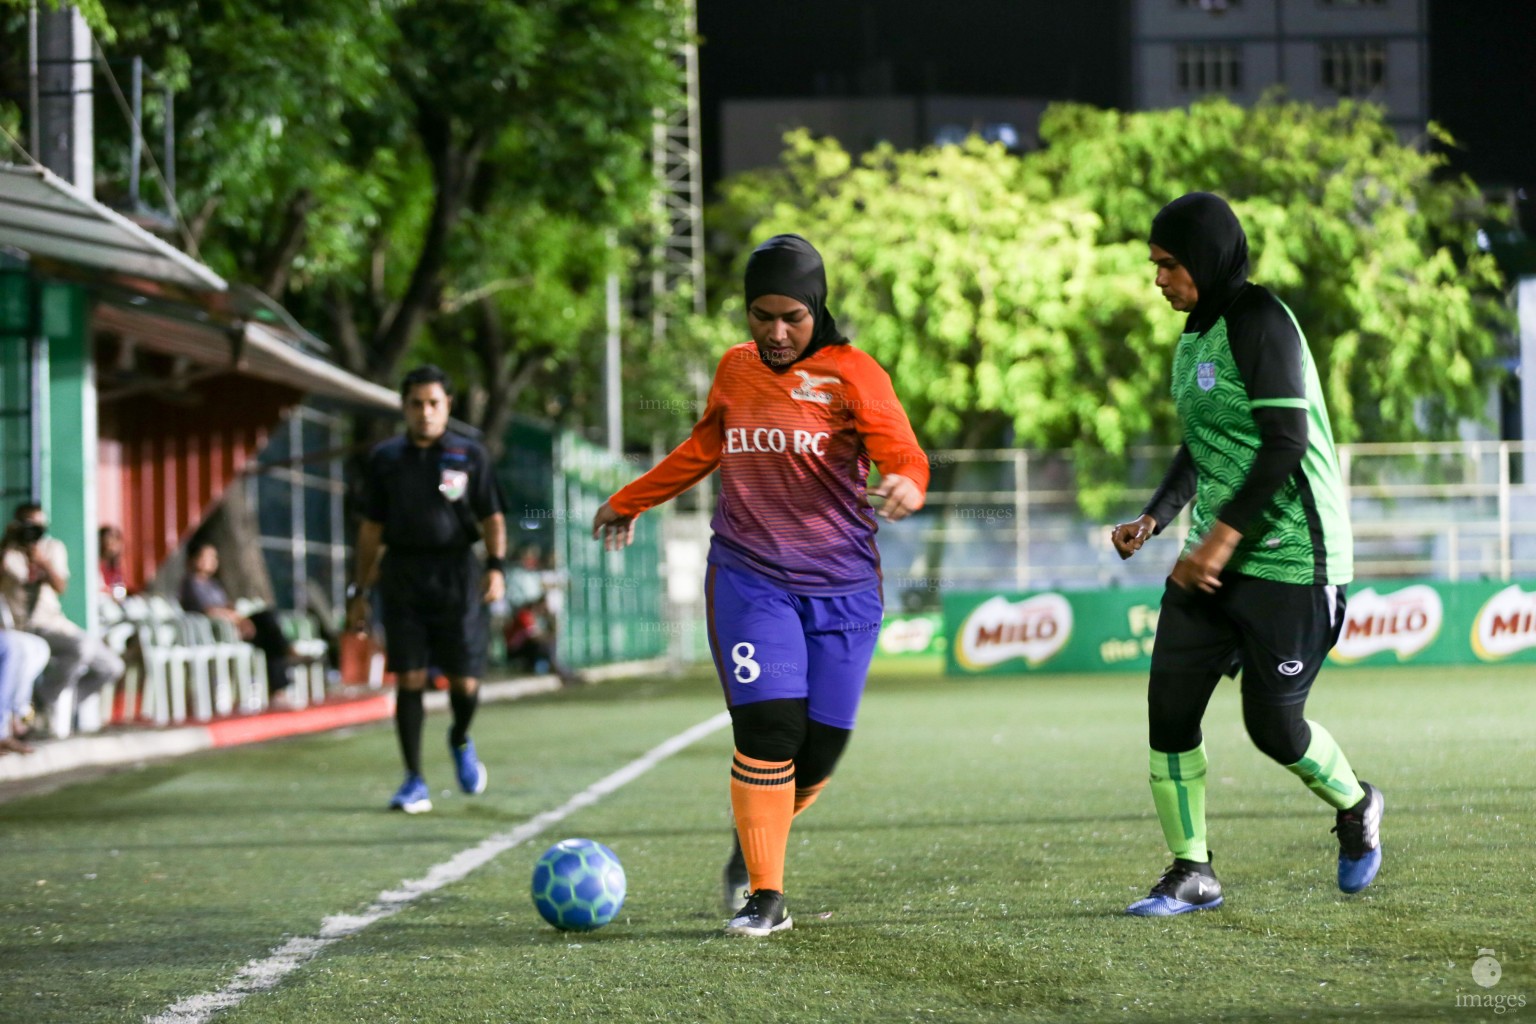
(270, 639)
(1176, 703)
(781, 730)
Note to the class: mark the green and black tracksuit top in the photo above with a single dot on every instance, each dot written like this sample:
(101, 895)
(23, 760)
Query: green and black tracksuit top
(1258, 450)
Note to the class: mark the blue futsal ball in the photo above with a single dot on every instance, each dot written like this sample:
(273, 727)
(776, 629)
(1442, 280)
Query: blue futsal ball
(578, 885)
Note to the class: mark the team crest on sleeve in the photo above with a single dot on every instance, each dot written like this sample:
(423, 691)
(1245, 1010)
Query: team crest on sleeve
(1205, 376)
(807, 391)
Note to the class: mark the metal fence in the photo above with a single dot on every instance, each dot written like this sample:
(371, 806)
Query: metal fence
(614, 606)
(1014, 519)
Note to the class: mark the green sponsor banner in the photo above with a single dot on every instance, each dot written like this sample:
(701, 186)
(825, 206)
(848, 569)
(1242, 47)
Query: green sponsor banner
(1438, 623)
(1050, 631)
(1401, 622)
(907, 636)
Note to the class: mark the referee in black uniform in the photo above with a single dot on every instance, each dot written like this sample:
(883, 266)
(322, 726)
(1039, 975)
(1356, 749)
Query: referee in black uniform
(428, 497)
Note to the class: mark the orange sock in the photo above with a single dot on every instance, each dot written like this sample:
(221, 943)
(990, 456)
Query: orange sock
(763, 799)
(807, 796)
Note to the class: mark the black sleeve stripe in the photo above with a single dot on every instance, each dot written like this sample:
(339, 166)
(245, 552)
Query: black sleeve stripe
(1266, 347)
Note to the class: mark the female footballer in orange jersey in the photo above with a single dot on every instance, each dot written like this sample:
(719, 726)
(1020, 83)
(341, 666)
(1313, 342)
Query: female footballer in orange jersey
(793, 421)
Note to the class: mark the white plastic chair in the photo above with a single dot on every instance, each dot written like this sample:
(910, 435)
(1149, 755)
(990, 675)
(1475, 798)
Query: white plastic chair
(308, 670)
(166, 667)
(204, 646)
(197, 647)
(246, 663)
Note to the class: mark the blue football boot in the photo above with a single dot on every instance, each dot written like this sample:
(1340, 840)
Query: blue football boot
(1186, 885)
(473, 777)
(413, 796)
(1359, 832)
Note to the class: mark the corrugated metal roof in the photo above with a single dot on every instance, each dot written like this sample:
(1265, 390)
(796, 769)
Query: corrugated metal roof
(246, 347)
(49, 219)
(46, 216)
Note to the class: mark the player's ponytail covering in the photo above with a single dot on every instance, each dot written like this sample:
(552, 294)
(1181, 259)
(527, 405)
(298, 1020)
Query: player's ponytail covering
(789, 265)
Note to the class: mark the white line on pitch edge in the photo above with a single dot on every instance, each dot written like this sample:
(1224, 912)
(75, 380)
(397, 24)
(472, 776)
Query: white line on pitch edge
(260, 975)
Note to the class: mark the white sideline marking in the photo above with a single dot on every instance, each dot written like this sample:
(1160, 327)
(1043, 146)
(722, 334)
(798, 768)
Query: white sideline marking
(259, 975)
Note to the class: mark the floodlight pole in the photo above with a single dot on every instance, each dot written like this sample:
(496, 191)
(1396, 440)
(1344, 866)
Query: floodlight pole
(678, 255)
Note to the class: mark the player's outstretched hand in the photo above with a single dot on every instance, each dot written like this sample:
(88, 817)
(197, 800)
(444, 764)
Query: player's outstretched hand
(615, 531)
(1129, 537)
(902, 497)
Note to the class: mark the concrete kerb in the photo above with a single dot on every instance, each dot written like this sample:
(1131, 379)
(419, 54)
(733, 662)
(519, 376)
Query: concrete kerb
(134, 745)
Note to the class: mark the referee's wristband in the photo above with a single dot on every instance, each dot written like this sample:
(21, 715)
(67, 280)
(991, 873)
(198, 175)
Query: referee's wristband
(494, 563)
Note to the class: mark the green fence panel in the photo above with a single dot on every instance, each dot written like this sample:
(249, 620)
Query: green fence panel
(615, 603)
(16, 372)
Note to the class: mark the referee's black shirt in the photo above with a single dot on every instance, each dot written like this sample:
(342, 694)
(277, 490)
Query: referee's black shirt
(433, 498)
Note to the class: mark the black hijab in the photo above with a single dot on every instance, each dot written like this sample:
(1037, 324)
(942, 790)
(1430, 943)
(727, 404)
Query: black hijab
(789, 265)
(1201, 232)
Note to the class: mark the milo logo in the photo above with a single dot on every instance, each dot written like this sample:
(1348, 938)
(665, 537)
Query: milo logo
(998, 630)
(1404, 622)
(1505, 625)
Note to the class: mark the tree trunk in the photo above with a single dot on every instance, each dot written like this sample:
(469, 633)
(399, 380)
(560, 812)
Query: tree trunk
(455, 166)
(277, 262)
(505, 374)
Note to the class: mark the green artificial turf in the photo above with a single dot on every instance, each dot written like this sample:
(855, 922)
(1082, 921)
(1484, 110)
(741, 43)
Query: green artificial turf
(970, 861)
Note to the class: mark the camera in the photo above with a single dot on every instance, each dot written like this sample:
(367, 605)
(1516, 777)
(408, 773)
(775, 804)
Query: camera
(27, 534)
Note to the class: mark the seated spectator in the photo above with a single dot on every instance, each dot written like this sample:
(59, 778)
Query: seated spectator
(23, 657)
(530, 631)
(203, 594)
(109, 556)
(34, 572)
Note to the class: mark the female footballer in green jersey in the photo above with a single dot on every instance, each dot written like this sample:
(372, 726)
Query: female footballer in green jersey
(1260, 584)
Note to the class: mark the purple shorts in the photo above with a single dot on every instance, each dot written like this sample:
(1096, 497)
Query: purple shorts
(770, 644)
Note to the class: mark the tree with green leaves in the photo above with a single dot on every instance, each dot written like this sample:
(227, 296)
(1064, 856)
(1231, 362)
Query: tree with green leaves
(1011, 298)
(417, 178)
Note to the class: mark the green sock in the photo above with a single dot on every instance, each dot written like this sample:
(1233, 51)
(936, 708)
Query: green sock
(1326, 770)
(1178, 790)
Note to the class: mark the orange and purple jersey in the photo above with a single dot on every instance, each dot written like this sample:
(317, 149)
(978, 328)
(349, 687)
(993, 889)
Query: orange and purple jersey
(794, 449)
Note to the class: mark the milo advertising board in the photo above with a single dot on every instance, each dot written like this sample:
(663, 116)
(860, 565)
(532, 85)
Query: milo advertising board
(1428, 623)
(1438, 624)
(1053, 631)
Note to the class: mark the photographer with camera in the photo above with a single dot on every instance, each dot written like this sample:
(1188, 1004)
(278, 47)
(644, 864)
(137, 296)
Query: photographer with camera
(34, 572)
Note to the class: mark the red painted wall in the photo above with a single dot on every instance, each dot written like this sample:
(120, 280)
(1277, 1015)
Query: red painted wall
(165, 462)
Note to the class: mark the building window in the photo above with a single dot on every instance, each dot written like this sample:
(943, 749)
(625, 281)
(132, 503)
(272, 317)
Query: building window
(1209, 68)
(1353, 67)
(298, 493)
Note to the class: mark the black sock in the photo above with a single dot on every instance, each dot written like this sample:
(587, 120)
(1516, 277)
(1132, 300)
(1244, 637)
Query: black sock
(464, 705)
(409, 716)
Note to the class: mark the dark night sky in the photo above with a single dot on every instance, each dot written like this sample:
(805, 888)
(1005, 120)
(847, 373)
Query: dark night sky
(1482, 61)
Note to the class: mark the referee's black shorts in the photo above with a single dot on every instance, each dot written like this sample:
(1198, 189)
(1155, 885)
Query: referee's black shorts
(433, 615)
(1278, 633)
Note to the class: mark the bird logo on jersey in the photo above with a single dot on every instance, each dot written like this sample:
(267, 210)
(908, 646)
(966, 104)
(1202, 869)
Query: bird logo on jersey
(807, 392)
